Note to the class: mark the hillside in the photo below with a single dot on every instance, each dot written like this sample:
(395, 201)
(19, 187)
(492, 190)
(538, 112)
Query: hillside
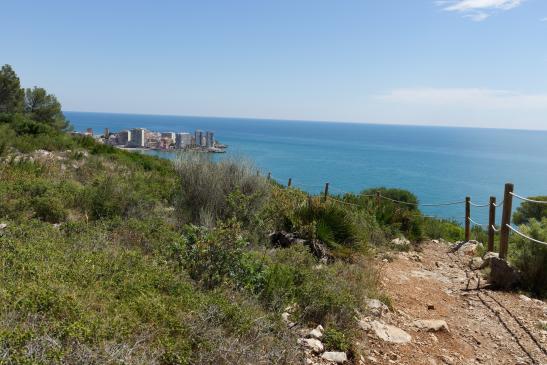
(109, 256)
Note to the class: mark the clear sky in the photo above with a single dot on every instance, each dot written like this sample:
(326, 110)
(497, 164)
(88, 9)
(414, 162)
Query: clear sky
(457, 62)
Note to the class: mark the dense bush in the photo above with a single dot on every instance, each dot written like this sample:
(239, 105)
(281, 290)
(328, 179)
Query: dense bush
(531, 257)
(446, 229)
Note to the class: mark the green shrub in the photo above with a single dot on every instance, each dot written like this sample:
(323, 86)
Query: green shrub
(528, 210)
(50, 209)
(443, 228)
(335, 340)
(212, 257)
(330, 223)
(531, 257)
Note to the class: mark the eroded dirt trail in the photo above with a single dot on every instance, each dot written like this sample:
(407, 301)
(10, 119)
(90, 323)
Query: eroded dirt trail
(484, 326)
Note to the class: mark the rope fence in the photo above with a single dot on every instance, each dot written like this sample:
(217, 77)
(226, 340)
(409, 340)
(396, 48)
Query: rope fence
(525, 236)
(506, 204)
(529, 200)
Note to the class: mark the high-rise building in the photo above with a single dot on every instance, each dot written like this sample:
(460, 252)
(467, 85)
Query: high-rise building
(124, 137)
(89, 132)
(168, 135)
(137, 137)
(106, 133)
(198, 136)
(209, 139)
(183, 140)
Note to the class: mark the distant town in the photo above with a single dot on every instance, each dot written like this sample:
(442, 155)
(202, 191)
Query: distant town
(141, 138)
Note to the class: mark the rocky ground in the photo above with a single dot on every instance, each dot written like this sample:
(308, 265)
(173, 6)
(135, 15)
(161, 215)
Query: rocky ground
(443, 312)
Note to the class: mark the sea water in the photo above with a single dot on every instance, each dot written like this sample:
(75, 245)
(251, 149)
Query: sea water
(438, 164)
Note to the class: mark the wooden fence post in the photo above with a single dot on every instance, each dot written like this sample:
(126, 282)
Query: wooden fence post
(290, 182)
(269, 175)
(467, 216)
(491, 223)
(377, 199)
(506, 220)
(326, 194)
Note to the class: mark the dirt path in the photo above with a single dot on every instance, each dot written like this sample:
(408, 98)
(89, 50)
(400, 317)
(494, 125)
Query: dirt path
(485, 327)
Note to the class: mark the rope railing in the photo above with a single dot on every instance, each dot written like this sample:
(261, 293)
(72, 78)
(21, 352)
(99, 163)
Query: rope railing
(525, 236)
(504, 229)
(423, 204)
(479, 205)
(529, 200)
(478, 224)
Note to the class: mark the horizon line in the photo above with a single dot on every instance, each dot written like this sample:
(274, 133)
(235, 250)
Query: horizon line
(308, 120)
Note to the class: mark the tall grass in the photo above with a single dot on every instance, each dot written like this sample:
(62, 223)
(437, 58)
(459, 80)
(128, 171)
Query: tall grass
(212, 191)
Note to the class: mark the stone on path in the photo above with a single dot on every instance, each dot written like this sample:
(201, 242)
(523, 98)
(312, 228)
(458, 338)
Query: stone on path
(476, 263)
(431, 325)
(336, 357)
(390, 333)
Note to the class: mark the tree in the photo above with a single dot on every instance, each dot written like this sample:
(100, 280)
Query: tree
(44, 107)
(529, 210)
(11, 94)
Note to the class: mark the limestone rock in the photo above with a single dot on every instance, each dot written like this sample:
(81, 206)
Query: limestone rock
(468, 248)
(476, 263)
(390, 333)
(313, 344)
(336, 357)
(400, 241)
(317, 332)
(376, 307)
(431, 325)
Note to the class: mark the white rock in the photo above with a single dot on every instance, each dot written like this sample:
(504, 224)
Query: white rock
(432, 325)
(400, 241)
(476, 263)
(376, 307)
(487, 256)
(317, 332)
(285, 316)
(313, 344)
(525, 298)
(334, 356)
(467, 248)
(3, 225)
(390, 333)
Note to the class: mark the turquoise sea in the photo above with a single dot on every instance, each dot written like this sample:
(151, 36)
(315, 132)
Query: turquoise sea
(438, 164)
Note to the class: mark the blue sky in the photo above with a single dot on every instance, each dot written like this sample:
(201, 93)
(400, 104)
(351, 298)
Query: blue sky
(456, 62)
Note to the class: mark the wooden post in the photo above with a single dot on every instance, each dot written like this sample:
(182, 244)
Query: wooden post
(269, 175)
(506, 220)
(326, 194)
(289, 183)
(491, 223)
(378, 199)
(467, 216)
